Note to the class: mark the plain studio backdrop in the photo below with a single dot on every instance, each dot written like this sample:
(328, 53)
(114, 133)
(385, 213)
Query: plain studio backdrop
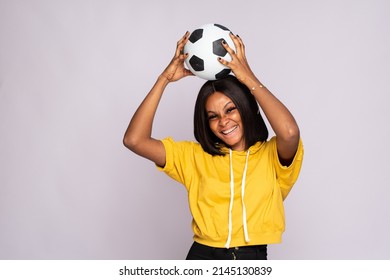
(73, 72)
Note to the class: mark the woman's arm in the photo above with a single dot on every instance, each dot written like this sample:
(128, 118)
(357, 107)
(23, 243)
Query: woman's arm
(279, 117)
(138, 136)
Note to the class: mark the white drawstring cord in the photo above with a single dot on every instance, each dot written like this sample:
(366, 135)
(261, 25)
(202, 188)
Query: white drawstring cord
(227, 245)
(242, 199)
(230, 226)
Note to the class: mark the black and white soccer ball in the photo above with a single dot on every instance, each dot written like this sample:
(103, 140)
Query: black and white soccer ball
(204, 46)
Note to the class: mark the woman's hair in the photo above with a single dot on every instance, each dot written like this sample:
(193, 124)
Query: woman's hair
(254, 127)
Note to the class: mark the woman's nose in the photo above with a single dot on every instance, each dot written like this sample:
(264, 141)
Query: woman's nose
(223, 121)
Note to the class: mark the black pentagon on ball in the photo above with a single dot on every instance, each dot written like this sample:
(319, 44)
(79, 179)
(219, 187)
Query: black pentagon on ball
(196, 63)
(221, 26)
(218, 49)
(196, 35)
(222, 74)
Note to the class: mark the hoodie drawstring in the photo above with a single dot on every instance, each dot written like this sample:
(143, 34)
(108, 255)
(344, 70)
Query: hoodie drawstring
(244, 222)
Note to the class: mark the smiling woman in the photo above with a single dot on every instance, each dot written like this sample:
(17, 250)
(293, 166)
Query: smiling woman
(236, 178)
(225, 121)
(241, 107)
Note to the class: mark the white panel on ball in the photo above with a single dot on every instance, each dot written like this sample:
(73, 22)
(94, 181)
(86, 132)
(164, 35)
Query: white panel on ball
(204, 47)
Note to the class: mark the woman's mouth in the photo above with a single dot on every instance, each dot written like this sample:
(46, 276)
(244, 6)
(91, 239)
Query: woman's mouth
(229, 131)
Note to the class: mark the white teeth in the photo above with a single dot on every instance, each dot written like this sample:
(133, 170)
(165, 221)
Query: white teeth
(229, 131)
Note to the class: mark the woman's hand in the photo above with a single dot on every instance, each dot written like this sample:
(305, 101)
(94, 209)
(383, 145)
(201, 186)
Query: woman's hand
(176, 70)
(239, 64)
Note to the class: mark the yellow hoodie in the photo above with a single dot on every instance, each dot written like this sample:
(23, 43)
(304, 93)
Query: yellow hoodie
(236, 199)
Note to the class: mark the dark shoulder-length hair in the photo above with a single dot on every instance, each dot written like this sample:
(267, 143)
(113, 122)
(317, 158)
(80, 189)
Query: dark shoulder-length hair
(255, 128)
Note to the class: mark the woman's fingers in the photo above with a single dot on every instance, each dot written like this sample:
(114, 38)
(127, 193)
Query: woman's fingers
(228, 48)
(175, 69)
(223, 61)
(239, 44)
(238, 64)
(180, 44)
(231, 51)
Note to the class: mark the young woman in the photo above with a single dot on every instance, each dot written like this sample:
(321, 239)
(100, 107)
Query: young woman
(236, 178)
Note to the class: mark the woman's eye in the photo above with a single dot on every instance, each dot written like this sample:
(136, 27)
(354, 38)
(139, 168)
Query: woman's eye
(229, 110)
(212, 117)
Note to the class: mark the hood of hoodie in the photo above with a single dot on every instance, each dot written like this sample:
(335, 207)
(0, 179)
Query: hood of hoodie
(252, 149)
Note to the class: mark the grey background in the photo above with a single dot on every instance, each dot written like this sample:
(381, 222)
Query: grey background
(73, 72)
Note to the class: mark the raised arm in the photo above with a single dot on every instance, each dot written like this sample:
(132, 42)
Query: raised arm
(138, 136)
(279, 117)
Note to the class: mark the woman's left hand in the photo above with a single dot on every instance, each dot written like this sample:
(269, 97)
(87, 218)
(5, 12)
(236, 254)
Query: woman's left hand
(239, 64)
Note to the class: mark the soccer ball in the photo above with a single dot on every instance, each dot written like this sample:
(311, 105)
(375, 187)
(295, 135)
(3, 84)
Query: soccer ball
(204, 46)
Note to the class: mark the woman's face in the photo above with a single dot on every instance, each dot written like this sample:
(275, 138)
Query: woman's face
(225, 120)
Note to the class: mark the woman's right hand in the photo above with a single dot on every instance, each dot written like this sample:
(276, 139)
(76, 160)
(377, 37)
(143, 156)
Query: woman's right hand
(176, 70)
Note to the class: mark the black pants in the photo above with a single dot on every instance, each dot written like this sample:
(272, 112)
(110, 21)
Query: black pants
(203, 252)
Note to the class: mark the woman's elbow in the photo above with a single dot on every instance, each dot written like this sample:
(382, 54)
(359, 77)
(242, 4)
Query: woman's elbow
(130, 142)
(292, 133)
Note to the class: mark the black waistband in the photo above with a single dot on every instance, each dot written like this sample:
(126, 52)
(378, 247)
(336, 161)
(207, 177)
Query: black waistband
(203, 252)
(250, 248)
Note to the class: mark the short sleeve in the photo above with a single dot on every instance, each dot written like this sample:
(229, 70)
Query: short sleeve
(179, 159)
(288, 175)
